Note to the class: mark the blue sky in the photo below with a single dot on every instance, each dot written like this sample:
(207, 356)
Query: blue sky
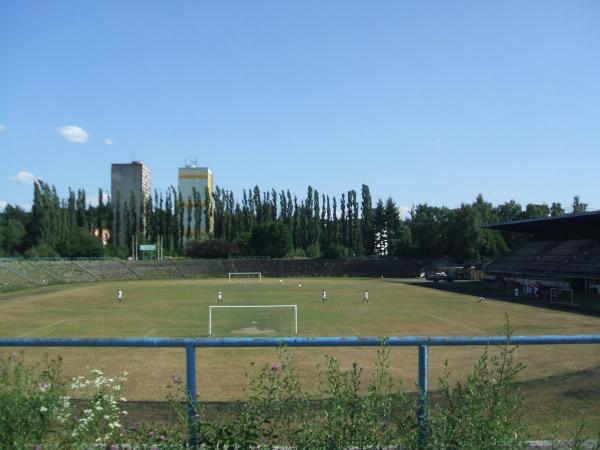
(423, 101)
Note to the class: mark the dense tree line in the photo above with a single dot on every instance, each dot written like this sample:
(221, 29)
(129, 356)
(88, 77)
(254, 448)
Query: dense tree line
(260, 223)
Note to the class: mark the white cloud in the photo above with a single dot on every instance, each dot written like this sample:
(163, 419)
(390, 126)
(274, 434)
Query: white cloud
(23, 177)
(508, 194)
(3, 204)
(2, 128)
(436, 143)
(73, 133)
(93, 200)
(108, 141)
(25, 207)
(404, 211)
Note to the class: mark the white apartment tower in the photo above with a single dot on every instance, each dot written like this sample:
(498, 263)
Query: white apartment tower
(130, 182)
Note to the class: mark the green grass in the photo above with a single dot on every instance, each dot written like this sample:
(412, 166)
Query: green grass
(179, 308)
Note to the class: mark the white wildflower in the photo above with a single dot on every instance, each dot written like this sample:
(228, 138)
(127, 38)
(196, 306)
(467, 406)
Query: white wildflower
(43, 409)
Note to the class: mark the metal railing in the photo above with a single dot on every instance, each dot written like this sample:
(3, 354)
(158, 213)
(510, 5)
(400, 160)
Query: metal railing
(422, 342)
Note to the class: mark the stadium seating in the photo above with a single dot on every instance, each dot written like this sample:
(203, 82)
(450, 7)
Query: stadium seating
(197, 268)
(67, 271)
(11, 279)
(550, 259)
(572, 257)
(514, 261)
(107, 269)
(586, 261)
(38, 271)
(20, 273)
(154, 269)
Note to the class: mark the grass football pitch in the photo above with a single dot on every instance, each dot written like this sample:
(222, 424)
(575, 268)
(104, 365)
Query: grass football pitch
(555, 375)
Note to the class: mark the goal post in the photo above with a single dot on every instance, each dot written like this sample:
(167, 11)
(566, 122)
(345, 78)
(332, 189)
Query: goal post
(253, 320)
(244, 275)
(561, 296)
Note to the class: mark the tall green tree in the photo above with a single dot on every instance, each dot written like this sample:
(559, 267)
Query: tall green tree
(556, 209)
(380, 230)
(577, 206)
(367, 226)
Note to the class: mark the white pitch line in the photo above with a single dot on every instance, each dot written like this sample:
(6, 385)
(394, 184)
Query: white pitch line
(354, 333)
(453, 323)
(150, 332)
(44, 327)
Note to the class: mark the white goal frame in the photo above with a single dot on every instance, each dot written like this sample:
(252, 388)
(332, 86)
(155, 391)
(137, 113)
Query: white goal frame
(570, 291)
(245, 273)
(295, 307)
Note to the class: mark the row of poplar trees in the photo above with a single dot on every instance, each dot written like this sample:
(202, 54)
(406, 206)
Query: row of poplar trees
(260, 223)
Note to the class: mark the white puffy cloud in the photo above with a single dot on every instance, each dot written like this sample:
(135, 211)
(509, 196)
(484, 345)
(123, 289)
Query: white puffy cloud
(73, 133)
(508, 194)
(3, 204)
(404, 211)
(108, 141)
(23, 177)
(436, 143)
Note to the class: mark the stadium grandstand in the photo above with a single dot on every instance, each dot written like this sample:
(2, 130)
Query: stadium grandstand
(17, 273)
(561, 257)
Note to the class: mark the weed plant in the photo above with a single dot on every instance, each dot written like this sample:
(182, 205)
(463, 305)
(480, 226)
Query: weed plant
(485, 412)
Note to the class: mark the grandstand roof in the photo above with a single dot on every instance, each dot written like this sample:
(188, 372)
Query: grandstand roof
(580, 225)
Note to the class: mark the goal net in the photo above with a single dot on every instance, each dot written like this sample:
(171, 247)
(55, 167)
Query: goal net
(254, 320)
(232, 276)
(561, 296)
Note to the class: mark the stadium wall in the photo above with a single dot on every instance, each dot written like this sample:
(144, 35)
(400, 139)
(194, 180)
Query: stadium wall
(20, 273)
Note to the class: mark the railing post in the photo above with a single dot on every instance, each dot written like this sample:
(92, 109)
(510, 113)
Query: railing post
(422, 395)
(190, 367)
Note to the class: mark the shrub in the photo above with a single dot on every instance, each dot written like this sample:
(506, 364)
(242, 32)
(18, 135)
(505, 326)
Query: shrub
(100, 421)
(212, 248)
(337, 252)
(28, 400)
(486, 411)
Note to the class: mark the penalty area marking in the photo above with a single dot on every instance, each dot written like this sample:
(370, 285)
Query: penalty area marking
(453, 323)
(44, 327)
(150, 332)
(353, 331)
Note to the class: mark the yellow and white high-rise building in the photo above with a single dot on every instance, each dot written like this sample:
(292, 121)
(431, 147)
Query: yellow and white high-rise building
(200, 179)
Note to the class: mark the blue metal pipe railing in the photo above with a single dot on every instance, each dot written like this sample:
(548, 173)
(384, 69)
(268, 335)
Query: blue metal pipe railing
(422, 342)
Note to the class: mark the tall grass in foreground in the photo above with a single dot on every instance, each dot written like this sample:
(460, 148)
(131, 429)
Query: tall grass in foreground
(347, 411)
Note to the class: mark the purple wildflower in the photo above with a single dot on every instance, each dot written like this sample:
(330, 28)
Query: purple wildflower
(151, 434)
(162, 438)
(114, 447)
(37, 447)
(275, 366)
